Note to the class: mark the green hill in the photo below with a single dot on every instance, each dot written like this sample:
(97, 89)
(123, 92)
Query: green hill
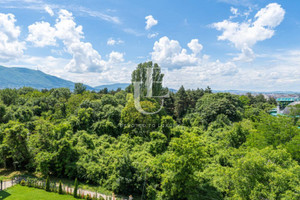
(16, 77)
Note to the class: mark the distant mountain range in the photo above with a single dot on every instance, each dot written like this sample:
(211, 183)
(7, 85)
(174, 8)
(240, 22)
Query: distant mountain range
(15, 77)
(241, 92)
(112, 86)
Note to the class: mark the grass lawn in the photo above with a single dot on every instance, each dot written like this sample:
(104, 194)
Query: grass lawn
(25, 193)
(6, 174)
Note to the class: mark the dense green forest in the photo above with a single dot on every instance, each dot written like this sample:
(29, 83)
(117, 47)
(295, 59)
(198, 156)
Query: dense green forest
(201, 145)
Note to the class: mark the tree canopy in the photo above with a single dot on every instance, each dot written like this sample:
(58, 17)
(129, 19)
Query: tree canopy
(201, 145)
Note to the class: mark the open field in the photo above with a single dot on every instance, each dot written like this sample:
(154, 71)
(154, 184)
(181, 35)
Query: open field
(25, 193)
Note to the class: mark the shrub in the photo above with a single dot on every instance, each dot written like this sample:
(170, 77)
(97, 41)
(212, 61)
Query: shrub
(75, 188)
(29, 182)
(60, 188)
(23, 183)
(88, 197)
(53, 187)
(48, 184)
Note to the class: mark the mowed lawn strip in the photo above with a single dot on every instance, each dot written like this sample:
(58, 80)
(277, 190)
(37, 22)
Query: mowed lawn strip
(19, 192)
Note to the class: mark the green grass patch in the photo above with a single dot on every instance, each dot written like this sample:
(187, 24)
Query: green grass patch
(6, 174)
(26, 193)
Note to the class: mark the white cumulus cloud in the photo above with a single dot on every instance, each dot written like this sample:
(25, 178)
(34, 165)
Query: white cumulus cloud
(246, 34)
(270, 16)
(169, 53)
(84, 57)
(234, 10)
(112, 42)
(116, 57)
(150, 22)
(49, 11)
(195, 46)
(152, 35)
(10, 46)
(41, 34)
(190, 69)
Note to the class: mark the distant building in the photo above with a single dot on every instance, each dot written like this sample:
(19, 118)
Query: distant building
(283, 104)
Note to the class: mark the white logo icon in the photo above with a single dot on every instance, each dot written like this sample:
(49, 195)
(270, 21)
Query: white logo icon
(149, 84)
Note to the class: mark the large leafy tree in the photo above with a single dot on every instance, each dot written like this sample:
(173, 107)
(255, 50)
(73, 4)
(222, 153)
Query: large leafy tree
(184, 157)
(9, 96)
(79, 88)
(137, 123)
(2, 112)
(181, 103)
(212, 105)
(295, 112)
(273, 131)
(14, 146)
(265, 174)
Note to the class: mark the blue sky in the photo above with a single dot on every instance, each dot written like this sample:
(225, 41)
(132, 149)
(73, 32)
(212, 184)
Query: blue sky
(227, 44)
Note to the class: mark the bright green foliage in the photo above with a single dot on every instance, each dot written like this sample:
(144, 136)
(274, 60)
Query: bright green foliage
(158, 143)
(265, 174)
(9, 96)
(79, 88)
(2, 113)
(14, 147)
(105, 127)
(181, 103)
(185, 155)
(61, 93)
(23, 114)
(245, 100)
(201, 145)
(167, 123)
(135, 122)
(23, 183)
(295, 113)
(293, 147)
(193, 96)
(272, 131)
(212, 105)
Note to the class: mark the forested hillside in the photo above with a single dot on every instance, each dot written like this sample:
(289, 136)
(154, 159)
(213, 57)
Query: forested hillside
(201, 145)
(16, 77)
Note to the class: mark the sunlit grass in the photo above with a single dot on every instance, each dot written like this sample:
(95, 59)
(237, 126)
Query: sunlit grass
(19, 192)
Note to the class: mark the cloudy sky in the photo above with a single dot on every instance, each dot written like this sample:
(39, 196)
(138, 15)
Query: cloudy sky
(226, 44)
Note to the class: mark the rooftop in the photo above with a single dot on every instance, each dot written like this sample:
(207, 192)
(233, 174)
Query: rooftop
(289, 99)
